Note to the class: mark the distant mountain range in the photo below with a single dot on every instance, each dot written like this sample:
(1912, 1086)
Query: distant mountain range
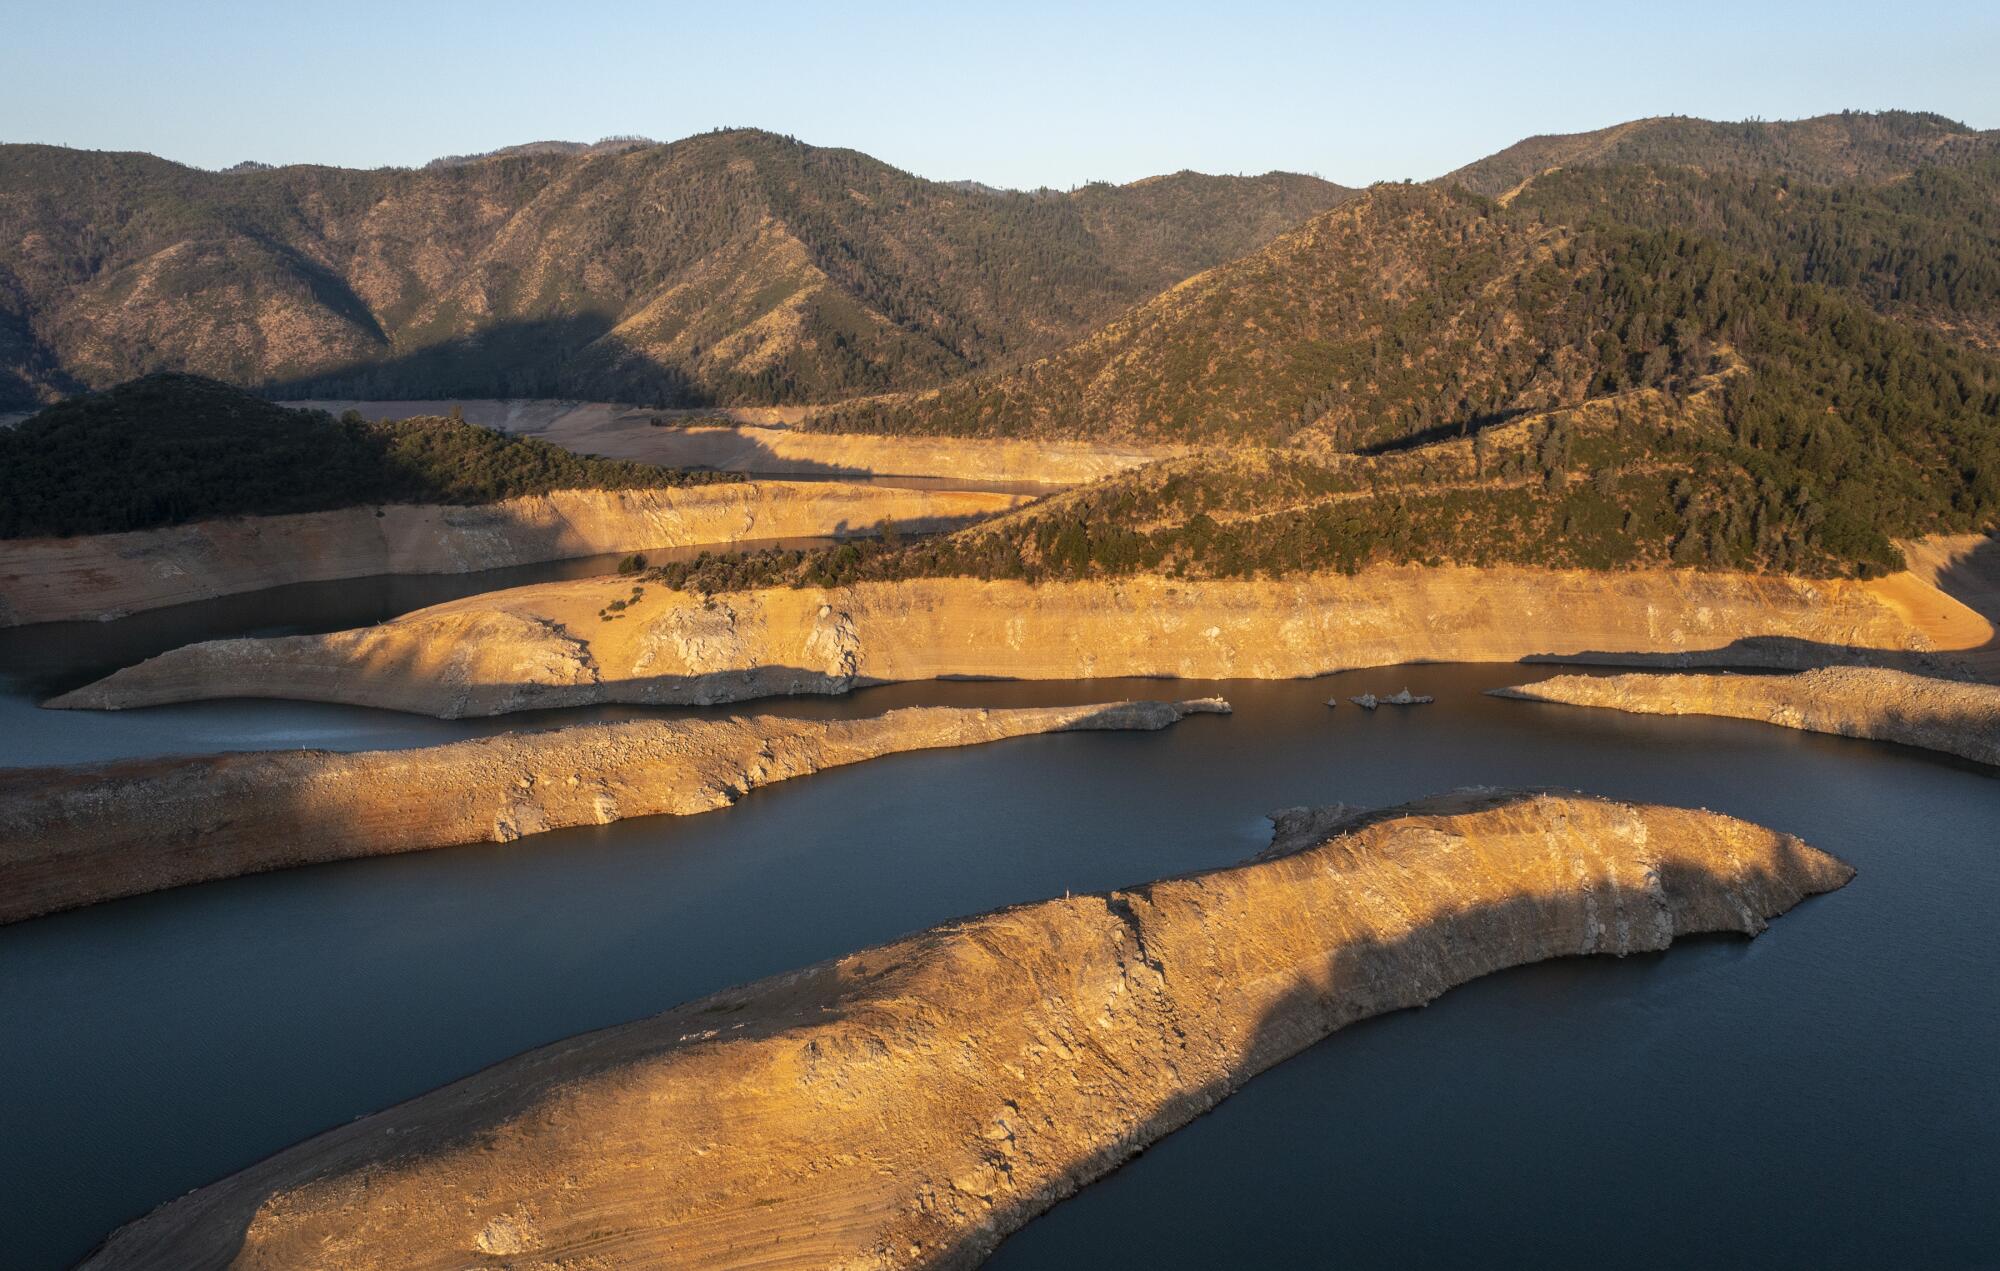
(733, 267)
(1749, 346)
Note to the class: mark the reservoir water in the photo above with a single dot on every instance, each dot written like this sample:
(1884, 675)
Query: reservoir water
(1822, 1096)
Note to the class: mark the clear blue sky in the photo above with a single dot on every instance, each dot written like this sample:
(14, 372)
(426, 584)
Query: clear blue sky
(1017, 94)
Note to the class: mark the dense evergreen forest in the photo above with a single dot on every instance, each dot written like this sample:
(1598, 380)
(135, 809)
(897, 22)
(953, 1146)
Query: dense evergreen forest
(1925, 249)
(170, 448)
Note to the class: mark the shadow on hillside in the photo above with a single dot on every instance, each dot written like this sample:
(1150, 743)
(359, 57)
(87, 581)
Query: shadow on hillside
(1973, 580)
(1773, 653)
(533, 358)
(1442, 432)
(720, 445)
(1332, 983)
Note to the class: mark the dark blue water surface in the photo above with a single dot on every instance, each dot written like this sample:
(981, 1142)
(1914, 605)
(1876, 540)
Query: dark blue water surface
(1824, 1096)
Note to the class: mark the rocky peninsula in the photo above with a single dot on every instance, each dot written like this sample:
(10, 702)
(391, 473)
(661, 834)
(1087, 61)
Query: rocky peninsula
(911, 1104)
(108, 575)
(588, 641)
(79, 835)
(1945, 715)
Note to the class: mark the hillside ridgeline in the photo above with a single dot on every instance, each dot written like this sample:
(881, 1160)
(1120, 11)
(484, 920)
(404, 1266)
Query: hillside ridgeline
(1825, 150)
(732, 267)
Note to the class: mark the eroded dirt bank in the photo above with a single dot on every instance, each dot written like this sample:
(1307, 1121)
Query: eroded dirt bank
(552, 645)
(756, 440)
(1874, 702)
(909, 1105)
(107, 575)
(79, 835)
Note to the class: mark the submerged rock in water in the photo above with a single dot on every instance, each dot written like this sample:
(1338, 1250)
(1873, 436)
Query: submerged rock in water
(909, 1105)
(1368, 701)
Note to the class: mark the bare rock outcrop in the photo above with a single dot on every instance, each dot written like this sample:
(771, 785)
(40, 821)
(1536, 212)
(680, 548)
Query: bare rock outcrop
(108, 575)
(682, 648)
(911, 1104)
(1945, 715)
(1402, 697)
(79, 835)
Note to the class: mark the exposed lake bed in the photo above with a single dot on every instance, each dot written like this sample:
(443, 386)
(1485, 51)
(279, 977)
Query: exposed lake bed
(170, 1039)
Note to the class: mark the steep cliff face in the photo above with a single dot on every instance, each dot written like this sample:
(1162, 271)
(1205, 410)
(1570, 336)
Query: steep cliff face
(558, 644)
(107, 575)
(1958, 719)
(909, 1105)
(78, 835)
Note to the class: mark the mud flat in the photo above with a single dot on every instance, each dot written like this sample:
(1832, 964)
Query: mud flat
(1873, 702)
(109, 575)
(552, 645)
(79, 835)
(757, 440)
(909, 1105)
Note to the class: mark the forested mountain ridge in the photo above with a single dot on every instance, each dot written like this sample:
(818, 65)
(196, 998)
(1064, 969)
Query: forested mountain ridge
(1924, 248)
(732, 267)
(1828, 149)
(1396, 312)
(1834, 417)
(1423, 310)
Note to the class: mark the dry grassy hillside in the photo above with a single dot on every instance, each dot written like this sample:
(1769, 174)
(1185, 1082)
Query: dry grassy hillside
(736, 266)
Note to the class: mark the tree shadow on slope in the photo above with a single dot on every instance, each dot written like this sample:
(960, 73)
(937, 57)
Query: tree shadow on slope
(529, 358)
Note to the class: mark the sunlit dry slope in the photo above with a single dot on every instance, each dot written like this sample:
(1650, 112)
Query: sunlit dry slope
(735, 266)
(1416, 311)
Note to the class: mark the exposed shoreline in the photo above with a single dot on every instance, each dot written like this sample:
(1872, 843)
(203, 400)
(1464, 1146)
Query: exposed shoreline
(758, 440)
(109, 575)
(76, 836)
(554, 645)
(1872, 702)
(911, 1104)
